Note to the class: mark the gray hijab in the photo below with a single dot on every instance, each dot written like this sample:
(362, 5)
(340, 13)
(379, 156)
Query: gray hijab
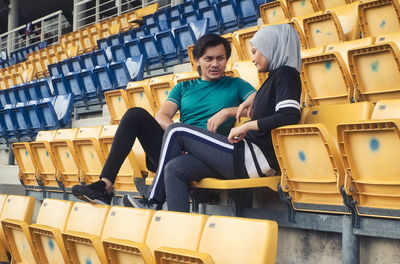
(280, 45)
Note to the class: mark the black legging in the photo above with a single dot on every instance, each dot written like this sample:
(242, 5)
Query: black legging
(136, 123)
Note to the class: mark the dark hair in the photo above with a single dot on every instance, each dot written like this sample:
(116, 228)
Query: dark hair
(210, 40)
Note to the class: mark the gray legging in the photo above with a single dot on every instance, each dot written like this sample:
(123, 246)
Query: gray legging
(208, 155)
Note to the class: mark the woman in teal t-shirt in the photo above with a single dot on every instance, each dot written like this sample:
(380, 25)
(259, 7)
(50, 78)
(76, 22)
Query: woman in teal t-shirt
(210, 103)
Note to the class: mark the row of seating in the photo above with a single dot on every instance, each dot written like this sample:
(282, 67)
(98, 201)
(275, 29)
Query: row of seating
(59, 159)
(359, 70)
(22, 121)
(68, 232)
(20, 55)
(375, 17)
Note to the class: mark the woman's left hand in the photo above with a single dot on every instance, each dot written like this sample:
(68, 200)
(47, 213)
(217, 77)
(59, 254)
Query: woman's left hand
(239, 132)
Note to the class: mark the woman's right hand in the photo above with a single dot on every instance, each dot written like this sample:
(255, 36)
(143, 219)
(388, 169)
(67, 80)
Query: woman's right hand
(246, 108)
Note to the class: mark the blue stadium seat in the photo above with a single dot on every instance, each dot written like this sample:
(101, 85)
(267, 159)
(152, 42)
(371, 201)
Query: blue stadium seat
(32, 114)
(134, 48)
(11, 95)
(103, 43)
(200, 27)
(118, 53)
(148, 20)
(60, 86)
(184, 37)
(139, 32)
(89, 85)
(74, 64)
(43, 89)
(21, 93)
(3, 99)
(174, 11)
(100, 57)
(175, 22)
(127, 71)
(228, 17)
(22, 124)
(8, 122)
(103, 79)
(63, 106)
(210, 13)
(190, 17)
(126, 36)
(152, 28)
(49, 119)
(87, 61)
(163, 25)
(135, 67)
(202, 3)
(247, 12)
(187, 7)
(74, 84)
(115, 40)
(160, 15)
(152, 51)
(32, 90)
(168, 47)
(65, 67)
(54, 70)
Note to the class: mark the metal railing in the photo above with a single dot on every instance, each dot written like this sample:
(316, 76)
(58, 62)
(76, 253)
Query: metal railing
(48, 28)
(87, 12)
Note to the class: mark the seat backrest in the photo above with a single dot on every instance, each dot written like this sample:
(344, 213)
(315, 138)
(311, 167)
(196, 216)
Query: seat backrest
(386, 109)
(239, 240)
(248, 72)
(127, 223)
(135, 67)
(174, 229)
(160, 88)
(88, 218)
(244, 37)
(54, 213)
(331, 115)
(139, 95)
(46, 135)
(63, 134)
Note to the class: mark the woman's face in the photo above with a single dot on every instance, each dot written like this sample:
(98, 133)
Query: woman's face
(259, 60)
(213, 63)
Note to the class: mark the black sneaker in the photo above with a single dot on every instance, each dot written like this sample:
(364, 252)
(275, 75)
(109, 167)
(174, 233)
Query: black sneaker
(143, 203)
(141, 186)
(93, 193)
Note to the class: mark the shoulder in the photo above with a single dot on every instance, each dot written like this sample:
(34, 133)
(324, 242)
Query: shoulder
(286, 71)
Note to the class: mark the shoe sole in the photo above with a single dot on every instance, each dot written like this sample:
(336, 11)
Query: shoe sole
(83, 197)
(128, 201)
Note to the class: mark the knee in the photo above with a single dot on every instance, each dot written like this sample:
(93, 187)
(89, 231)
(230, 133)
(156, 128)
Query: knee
(136, 112)
(172, 172)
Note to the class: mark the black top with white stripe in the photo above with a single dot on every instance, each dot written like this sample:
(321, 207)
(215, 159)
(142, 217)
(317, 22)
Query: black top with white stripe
(277, 103)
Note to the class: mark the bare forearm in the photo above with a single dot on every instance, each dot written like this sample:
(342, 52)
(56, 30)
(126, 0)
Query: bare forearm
(163, 120)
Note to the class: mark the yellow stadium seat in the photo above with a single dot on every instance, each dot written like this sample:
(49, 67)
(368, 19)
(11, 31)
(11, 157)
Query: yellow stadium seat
(160, 88)
(129, 169)
(117, 103)
(228, 240)
(375, 69)
(85, 221)
(89, 155)
(379, 17)
(297, 24)
(46, 232)
(22, 247)
(326, 4)
(274, 12)
(243, 36)
(28, 173)
(301, 7)
(16, 207)
(186, 76)
(139, 95)
(248, 72)
(369, 150)
(236, 49)
(326, 78)
(337, 24)
(146, 10)
(65, 158)
(3, 254)
(44, 158)
(172, 229)
(122, 225)
(312, 170)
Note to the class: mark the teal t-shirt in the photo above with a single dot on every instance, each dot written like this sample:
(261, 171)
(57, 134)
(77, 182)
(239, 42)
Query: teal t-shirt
(199, 100)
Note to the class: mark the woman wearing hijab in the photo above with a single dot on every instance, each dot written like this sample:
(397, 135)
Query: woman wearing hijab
(191, 154)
